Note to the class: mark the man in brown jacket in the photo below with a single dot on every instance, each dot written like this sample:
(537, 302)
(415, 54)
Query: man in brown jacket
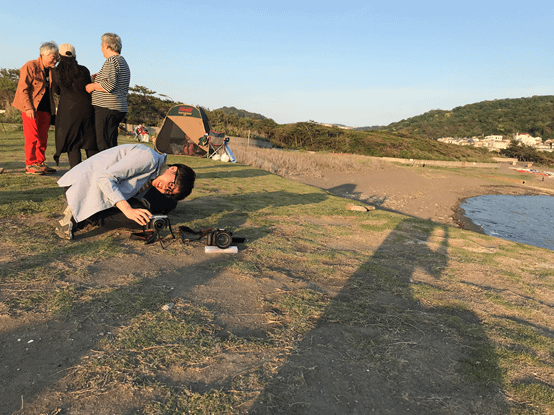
(34, 100)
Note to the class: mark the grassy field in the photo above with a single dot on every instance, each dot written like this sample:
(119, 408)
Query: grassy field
(323, 310)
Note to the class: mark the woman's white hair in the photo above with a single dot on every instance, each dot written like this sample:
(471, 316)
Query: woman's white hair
(48, 47)
(113, 41)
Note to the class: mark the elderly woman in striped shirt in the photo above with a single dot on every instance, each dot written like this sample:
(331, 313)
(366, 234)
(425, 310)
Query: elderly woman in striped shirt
(109, 92)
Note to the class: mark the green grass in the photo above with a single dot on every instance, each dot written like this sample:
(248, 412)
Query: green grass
(392, 286)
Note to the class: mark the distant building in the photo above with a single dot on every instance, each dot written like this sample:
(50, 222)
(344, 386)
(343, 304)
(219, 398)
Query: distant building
(448, 140)
(498, 142)
(548, 145)
(343, 127)
(494, 138)
(527, 139)
(499, 145)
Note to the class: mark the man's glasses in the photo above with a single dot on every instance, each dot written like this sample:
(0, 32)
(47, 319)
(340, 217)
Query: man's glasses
(172, 185)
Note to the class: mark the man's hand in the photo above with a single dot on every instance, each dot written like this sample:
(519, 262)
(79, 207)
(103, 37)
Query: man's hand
(140, 216)
(30, 113)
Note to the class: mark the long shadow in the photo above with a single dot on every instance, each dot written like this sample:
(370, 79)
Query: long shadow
(348, 191)
(378, 350)
(39, 195)
(52, 346)
(349, 363)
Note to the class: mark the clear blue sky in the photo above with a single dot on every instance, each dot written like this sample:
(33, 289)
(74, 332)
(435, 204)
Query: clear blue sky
(357, 63)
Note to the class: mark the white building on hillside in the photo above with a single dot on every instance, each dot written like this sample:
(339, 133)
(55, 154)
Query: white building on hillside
(493, 138)
(527, 139)
(548, 145)
(493, 144)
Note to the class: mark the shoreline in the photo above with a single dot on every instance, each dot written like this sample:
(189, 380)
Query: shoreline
(463, 221)
(424, 192)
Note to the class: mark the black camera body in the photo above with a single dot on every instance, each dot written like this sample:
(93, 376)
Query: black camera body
(220, 238)
(158, 222)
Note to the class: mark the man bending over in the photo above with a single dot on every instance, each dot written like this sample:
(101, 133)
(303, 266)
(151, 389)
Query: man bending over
(114, 180)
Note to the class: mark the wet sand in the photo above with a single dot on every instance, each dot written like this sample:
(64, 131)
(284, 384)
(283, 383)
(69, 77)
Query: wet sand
(427, 193)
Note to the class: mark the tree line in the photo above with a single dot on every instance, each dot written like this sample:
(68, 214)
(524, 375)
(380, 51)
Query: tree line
(534, 115)
(406, 139)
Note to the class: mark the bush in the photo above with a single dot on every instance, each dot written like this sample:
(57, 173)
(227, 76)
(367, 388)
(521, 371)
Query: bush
(527, 153)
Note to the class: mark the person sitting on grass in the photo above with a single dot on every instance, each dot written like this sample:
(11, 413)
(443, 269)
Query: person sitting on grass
(116, 180)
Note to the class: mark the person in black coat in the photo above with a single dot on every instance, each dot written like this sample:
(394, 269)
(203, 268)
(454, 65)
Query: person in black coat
(75, 116)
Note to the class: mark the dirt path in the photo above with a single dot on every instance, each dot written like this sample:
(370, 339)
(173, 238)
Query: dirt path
(425, 193)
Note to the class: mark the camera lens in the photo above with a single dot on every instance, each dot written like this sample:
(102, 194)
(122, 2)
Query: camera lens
(159, 224)
(223, 239)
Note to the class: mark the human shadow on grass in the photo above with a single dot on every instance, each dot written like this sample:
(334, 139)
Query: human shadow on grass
(18, 167)
(13, 166)
(40, 195)
(348, 191)
(38, 354)
(377, 349)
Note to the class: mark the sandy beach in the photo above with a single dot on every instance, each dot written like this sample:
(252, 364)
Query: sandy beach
(427, 193)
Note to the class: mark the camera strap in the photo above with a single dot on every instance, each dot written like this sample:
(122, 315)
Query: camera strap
(189, 235)
(150, 236)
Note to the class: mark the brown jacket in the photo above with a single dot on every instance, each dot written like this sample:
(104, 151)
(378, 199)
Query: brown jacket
(32, 86)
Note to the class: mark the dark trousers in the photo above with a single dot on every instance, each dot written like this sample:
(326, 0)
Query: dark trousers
(107, 125)
(75, 157)
(159, 205)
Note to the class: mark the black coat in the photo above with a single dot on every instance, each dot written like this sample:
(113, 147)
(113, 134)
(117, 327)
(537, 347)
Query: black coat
(75, 115)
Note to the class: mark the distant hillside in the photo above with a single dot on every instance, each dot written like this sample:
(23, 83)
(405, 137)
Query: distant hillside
(506, 117)
(315, 137)
(241, 113)
(373, 127)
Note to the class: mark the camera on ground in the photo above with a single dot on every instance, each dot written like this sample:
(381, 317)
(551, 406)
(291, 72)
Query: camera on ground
(158, 222)
(220, 238)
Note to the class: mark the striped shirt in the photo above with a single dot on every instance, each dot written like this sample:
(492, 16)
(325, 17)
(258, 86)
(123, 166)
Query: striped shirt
(114, 77)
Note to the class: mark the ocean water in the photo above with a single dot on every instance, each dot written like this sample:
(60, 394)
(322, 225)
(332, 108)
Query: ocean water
(526, 219)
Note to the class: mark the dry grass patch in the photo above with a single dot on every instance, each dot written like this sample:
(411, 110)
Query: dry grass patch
(287, 163)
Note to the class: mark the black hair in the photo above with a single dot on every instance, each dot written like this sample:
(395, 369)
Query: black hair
(184, 181)
(68, 74)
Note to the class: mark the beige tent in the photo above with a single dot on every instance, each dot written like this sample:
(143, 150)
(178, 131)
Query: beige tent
(184, 131)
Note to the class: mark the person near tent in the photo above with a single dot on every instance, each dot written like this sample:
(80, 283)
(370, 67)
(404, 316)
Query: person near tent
(141, 134)
(144, 136)
(75, 116)
(137, 132)
(105, 183)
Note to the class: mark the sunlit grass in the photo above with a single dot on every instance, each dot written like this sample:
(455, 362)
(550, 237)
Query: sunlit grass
(387, 281)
